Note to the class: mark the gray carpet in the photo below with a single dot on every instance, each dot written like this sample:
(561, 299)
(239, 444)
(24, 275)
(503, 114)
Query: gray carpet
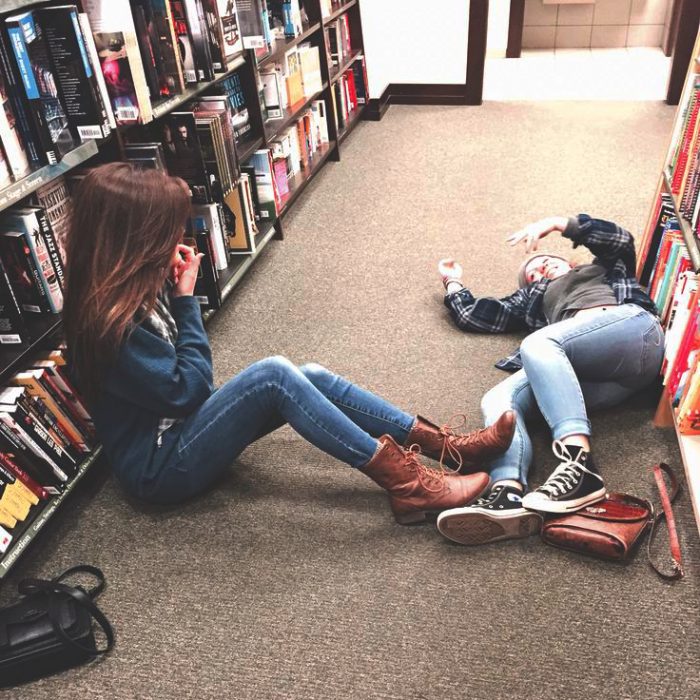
(291, 580)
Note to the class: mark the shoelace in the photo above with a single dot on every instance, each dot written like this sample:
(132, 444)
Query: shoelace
(450, 431)
(425, 474)
(493, 495)
(566, 474)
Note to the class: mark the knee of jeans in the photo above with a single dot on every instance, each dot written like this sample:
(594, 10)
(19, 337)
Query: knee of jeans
(315, 373)
(532, 345)
(494, 401)
(274, 368)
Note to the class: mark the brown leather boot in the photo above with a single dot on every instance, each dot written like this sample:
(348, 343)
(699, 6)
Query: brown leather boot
(463, 452)
(414, 489)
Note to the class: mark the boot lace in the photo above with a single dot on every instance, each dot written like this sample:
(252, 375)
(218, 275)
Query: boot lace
(565, 476)
(432, 480)
(449, 431)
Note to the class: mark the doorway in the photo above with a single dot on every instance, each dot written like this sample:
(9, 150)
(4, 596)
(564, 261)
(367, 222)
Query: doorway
(589, 50)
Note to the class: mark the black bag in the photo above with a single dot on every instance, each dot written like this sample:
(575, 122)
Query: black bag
(50, 628)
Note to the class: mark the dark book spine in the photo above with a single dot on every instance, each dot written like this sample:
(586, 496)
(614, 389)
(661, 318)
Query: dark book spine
(38, 433)
(200, 42)
(23, 273)
(73, 71)
(44, 414)
(13, 330)
(11, 425)
(20, 453)
(147, 50)
(209, 287)
(49, 386)
(26, 125)
(51, 246)
(215, 34)
(40, 87)
(184, 40)
(7, 460)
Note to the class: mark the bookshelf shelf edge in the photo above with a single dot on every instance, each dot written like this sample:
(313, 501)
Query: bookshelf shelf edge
(340, 11)
(37, 525)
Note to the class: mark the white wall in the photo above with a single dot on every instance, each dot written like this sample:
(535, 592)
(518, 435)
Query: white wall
(413, 42)
(497, 37)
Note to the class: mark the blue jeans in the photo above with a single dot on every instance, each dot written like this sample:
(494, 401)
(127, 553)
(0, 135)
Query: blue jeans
(329, 411)
(589, 361)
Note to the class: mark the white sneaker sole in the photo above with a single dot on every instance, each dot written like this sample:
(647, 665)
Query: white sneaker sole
(540, 503)
(475, 527)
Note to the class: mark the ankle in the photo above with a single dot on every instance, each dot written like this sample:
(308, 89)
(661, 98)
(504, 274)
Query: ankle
(509, 482)
(577, 441)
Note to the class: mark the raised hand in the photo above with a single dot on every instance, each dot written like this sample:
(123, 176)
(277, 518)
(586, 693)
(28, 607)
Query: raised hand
(185, 271)
(532, 233)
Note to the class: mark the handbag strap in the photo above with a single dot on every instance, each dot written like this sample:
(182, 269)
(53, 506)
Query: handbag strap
(667, 513)
(55, 590)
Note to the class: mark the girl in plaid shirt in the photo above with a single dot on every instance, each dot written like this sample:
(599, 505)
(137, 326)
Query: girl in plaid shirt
(595, 339)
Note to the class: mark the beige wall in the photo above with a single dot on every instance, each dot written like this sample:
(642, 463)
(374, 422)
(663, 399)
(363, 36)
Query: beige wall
(601, 24)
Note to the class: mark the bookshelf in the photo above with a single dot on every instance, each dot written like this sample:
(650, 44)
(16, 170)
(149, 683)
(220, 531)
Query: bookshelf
(666, 415)
(47, 327)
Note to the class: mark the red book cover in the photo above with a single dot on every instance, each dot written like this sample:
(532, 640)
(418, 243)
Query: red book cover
(682, 162)
(660, 264)
(280, 173)
(9, 463)
(690, 339)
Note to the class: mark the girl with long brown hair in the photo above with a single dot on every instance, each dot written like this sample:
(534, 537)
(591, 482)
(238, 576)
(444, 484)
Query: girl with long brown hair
(141, 357)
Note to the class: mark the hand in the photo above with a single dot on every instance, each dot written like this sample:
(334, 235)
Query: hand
(185, 272)
(532, 233)
(450, 269)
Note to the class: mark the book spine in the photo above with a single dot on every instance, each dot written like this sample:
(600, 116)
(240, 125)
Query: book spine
(10, 138)
(45, 415)
(109, 122)
(40, 88)
(13, 330)
(20, 452)
(63, 404)
(23, 273)
(51, 246)
(12, 466)
(73, 71)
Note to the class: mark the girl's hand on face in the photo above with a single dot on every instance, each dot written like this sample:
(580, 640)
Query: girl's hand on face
(185, 275)
(532, 233)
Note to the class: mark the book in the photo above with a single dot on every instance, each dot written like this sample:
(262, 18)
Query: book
(240, 237)
(91, 48)
(267, 194)
(75, 74)
(24, 276)
(251, 24)
(41, 91)
(54, 200)
(272, 93)
(5, 174)
(26, 127)
(184, 40)
(5, 540)
(10, 139)
(230, 29)
(208, 219)
(200, 39)
(120, 59)
(215, 34)
(206, 288)
(26, 222)
(9, 477)
(9, 462)
(13, 330)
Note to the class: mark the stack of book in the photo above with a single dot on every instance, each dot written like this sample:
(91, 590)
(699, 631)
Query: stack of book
(52, 97)
(45, 434)
(296, 78)
(338, 41)
(349, 92)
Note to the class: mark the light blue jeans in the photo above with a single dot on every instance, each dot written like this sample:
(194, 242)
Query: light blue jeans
(332, 413)
(586, 362)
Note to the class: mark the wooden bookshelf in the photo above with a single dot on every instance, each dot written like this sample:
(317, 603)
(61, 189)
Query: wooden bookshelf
(23, 534)
(340, 11)
(281, 46)
(303, 178)
(45, 327)
(23, 188)
(273, 127)
(354, 119)
(690, 456)
(172, 103)
(345, 65)
(691, 241)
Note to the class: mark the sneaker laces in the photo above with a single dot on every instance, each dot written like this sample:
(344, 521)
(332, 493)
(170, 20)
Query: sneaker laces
(425, 475)
(490, 497)
(566, 474)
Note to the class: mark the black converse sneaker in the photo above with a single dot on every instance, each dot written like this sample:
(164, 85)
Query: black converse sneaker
(499, 515)
(574, 484)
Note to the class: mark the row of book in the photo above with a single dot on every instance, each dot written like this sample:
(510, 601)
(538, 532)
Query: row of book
(349, 93)
(666, 269)
(291, 81)
(683, 166)
(328, 7)
(45, 435)
(338, 41)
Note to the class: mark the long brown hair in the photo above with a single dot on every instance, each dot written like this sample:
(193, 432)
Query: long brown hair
(125, 225)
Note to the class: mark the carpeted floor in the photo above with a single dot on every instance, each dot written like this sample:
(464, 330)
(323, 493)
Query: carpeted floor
(291, 580)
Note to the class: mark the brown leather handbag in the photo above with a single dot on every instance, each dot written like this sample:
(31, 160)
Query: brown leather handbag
(610, 529)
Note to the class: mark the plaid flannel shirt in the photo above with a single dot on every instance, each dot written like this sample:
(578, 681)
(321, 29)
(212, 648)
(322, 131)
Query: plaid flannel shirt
(613, 248)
